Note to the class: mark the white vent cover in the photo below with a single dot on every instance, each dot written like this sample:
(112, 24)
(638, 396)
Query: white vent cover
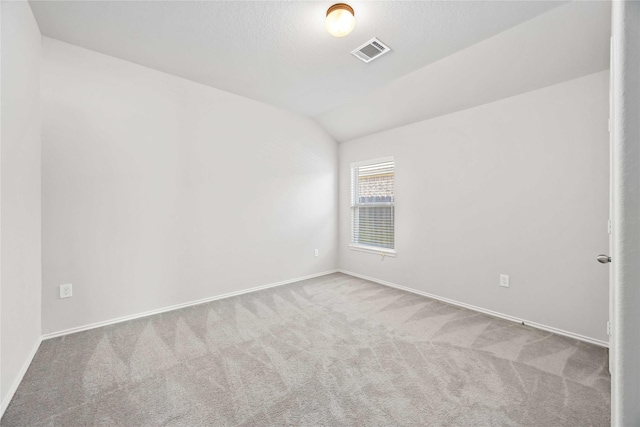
(371, 50)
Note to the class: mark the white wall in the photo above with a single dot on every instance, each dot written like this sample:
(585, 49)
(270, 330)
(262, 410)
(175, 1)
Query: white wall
(625, 377)
(519, 187)
(159, 191)
(20, 277)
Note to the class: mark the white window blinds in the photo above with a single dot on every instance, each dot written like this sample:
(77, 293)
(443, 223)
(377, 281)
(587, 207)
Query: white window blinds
(372, 204)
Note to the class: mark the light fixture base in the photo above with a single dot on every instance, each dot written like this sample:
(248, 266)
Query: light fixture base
(340, 6)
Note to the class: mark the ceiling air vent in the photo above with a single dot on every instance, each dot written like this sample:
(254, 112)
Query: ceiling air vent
(371, 50)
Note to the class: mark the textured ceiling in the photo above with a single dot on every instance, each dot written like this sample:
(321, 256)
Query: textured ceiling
(279, 52)
(568, 42)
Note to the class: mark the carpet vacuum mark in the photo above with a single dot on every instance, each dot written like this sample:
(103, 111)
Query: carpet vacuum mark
(329, 351)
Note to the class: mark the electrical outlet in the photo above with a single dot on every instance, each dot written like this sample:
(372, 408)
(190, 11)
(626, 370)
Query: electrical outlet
(316, 252)
(504, 280)
(66, 291)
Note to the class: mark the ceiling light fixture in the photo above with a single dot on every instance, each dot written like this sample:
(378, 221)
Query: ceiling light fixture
(340, 19)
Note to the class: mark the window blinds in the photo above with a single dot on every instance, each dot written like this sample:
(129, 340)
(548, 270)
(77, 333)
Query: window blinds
(372, 204)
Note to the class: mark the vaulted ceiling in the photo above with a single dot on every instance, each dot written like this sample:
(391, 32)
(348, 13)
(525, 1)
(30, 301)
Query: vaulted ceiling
(279, 52)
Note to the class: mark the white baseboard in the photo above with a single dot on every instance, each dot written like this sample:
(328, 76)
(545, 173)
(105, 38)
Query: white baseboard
(178, 306)
(483, 310)
(18, 380)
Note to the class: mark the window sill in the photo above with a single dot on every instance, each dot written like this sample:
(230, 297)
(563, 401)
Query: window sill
(373, 250)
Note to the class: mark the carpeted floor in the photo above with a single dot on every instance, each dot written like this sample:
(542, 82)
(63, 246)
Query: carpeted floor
(329, 351)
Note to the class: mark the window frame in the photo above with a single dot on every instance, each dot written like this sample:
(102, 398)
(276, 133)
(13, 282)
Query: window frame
(353, 186)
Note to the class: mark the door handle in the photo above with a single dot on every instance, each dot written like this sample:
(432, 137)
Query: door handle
(604, 259)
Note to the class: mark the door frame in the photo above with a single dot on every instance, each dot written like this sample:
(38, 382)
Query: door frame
(625, 304)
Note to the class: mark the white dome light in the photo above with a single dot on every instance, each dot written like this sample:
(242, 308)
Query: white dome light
(340, 19)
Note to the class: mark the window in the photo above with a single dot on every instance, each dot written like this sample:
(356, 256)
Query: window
(372, 206)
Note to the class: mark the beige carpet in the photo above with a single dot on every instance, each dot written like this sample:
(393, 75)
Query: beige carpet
(330, 351)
